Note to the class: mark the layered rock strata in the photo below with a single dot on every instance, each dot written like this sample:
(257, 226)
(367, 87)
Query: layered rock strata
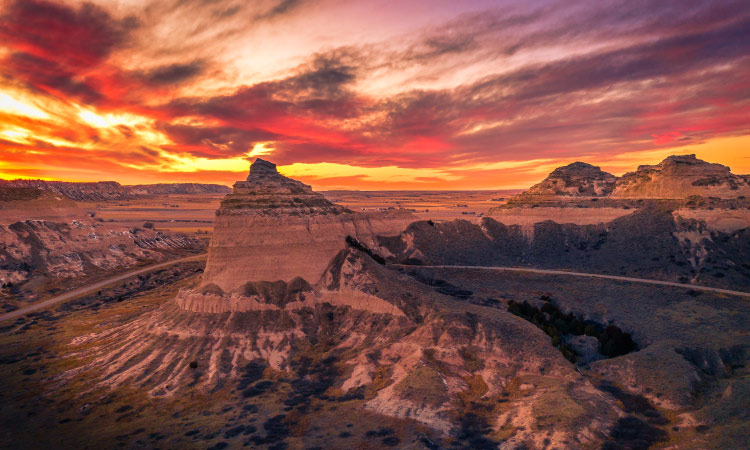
(681, 176)
(393, 344)
(37, 250)
(274, 228)
(576, 179)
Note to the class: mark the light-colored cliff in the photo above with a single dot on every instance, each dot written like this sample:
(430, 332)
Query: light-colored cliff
(681, 176)
(275, 228)
(576, 180)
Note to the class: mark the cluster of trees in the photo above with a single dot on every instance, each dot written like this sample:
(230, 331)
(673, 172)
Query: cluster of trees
(612, 340)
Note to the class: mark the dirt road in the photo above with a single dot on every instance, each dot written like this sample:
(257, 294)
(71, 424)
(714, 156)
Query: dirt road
(591, 275)
(94, 287)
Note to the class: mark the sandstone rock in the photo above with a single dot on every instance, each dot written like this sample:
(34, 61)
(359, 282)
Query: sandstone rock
(576, 179)
(681, 176)
(648, 243)
(677, 177)
(274, 228)
(52, 250)
(389, 324)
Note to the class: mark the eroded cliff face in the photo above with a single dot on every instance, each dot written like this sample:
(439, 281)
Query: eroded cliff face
(43, 251)
(364, 333)
(651, 243)
(290, 313)
(576, 179)
(275, 228)
(680, 177)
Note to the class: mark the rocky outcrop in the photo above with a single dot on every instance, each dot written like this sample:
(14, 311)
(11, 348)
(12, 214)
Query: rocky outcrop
(274, 228)
(576, 179)
(35, 250)
(35, 204)
(677, 177)
(649, 243)
(392, 344)
(95, 191)
(681, 176)
(112, 190)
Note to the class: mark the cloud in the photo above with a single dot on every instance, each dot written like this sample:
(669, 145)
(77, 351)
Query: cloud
(279, 9)
(179, 84)
(220, 141)
(171, 74)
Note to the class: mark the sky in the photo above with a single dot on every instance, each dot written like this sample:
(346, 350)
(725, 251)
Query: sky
(369, 95)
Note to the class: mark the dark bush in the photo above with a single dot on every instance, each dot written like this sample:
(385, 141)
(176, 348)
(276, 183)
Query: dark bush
(252, 372)
(391, 441)
(193, 364)
(473, 431)
(614, 342)
(235, 431)
(148, 225)
(634, 434)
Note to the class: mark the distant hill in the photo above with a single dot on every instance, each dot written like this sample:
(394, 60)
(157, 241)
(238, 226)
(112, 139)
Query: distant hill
(111, 190)
(178, 188)
(577, 179)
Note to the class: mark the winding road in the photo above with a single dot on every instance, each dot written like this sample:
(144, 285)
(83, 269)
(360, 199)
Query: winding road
(589, 275)
(95, 286)
(100, 284)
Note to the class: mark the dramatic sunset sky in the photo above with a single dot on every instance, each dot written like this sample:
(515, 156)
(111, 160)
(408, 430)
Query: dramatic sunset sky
(368, 94)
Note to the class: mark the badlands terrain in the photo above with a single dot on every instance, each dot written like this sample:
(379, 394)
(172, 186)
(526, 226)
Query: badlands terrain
(377, 320)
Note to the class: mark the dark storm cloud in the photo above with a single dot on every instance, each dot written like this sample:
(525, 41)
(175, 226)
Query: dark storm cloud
(327, 77)
(318, 88)
(53, 47)
(174, 73)
(667, 57)
(43, 73)
(80, 37)
(220, 141)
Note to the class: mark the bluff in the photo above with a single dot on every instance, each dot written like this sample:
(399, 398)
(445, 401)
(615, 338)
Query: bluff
(681, 176)
(648, 243)
(274, 228)
(576, 179)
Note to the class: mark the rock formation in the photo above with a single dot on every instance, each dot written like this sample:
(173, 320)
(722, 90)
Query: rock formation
(290, 312)
(681, 176)
(112, 190)
(576, 179)
(37, 251)
(648, 243)
(35, 204)
(677, 177)
(274, 228)
(390, 343)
